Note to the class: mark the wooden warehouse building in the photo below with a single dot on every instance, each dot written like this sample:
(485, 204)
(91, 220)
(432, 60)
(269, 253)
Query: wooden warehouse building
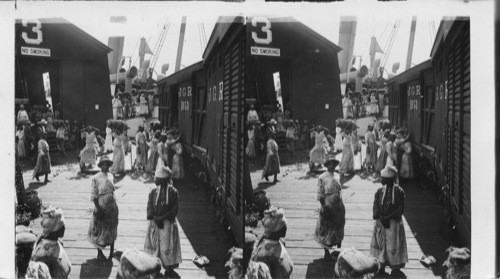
(53, 53)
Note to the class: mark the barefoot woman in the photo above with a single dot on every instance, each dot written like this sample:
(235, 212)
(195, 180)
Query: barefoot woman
(104, 220)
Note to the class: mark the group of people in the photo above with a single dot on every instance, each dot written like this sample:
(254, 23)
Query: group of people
(29, 133)
(388, 243)
(45, 256)
(366, 103)
(160, 155)
(131, 105)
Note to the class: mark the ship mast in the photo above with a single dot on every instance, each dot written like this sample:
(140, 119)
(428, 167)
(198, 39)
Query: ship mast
(411, 42)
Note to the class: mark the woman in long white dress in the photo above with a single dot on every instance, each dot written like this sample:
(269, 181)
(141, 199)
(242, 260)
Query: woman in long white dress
(338, 139)
(153, 154)
(406, 171)
(21, 149)
(318, 153)
(163, 152)
(250, 150)
(118, 166)
(88, 155)
(177, 161)
(143, 107)
(142, 149)
(108, 143)
(347, 163)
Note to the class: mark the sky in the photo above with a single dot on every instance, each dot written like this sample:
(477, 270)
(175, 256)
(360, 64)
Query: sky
(150, 27)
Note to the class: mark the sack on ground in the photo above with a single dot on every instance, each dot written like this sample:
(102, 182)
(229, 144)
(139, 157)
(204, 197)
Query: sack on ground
(352, 263)
(134, 263)
(38, 270)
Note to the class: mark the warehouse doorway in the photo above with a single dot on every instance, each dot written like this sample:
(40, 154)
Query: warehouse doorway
(37, 80)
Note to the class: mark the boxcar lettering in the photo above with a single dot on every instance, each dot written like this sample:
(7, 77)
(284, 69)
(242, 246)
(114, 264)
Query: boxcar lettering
(189, 91)
(441, 92)
(265, 35)
(418, 90)
(184, 92)
(221, 89)
(180, 92)
(446, 90)
(36, 31)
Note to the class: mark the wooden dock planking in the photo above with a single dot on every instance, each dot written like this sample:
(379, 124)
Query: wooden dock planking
(199, 230)
(424, 224)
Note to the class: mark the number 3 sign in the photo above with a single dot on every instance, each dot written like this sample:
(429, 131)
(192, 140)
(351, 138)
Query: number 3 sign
(265, 36)
(35, 37)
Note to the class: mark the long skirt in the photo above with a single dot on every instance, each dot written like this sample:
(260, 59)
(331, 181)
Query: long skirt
(381, 160)
(331, 221)
(347, 162)
(21, 149)
(389, 245)
(152, 160)
(88, 155)
(104, 229)
(317, 155)
(250, 150)
(177, 167)
(118, 161)
(338, 142)
(42, 165)
(164, 243)
(406, 166)
(108, 143)
(54, 256)
(272, 166)
(371, 154)
(274, 254)
(142, 155)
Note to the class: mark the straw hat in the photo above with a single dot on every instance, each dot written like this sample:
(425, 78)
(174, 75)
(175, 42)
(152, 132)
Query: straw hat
(330, 159)
(163, 172)
(389, 172)
(272, 122)
(104, 159)
(53, 219)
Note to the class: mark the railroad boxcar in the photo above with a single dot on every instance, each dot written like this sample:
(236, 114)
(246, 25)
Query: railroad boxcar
(206, 102)
(289, 62)
(179, 95)
(451, 63)
(432, 100)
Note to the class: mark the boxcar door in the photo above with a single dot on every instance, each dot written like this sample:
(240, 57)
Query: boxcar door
(233, 108)
(458, 93)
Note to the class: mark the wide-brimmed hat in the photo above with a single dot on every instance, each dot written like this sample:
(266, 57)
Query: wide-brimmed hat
(43, 122)
(53, 219)
(104, 159)
(330, 159)
(272, 122)
(163, 172)
(389, 172)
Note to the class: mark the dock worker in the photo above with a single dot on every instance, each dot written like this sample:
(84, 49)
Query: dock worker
(162, 236)
(388, 242)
